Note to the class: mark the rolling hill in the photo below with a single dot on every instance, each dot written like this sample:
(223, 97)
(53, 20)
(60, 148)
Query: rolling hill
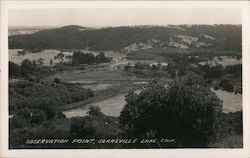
(133, 38)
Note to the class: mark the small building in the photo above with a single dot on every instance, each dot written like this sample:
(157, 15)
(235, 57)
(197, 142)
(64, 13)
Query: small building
(164, 64)
(153, 64)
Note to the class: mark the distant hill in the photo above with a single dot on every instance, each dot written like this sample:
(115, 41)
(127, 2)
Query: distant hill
(221, 37)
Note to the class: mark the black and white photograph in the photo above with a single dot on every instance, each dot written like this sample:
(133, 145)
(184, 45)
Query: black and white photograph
(125, 78)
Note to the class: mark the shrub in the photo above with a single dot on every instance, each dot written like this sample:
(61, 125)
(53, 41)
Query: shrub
(226, 86)
(57, 80)
(141, 65)
(94, 111)
(79, 128)
(188, 112)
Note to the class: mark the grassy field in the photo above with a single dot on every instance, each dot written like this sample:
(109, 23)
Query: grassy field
(47, 55)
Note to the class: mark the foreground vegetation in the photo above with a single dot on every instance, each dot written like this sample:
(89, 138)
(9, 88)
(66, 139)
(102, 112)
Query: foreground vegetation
(159, 111)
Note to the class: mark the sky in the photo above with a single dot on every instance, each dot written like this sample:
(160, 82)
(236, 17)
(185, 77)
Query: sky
(101, 17)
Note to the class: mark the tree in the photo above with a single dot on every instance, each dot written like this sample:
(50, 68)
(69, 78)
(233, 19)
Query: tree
(100, 57)
(22, 52)
(172, 73)
(51, 62)
(187, 111)
(155, 67)
(37, 116)
(226, 86)
(94, 111)
(25, 113)
(69, 57)
(127, 67)
(181, 72)
(60, 56)
(48, 106)
(57, 80)
(26, 64)
(34, 63)
(26, 67)
(139, 65)
(40, 61)
(14, 69)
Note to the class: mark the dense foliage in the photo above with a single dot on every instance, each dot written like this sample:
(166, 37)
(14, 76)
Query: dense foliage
(96, 126)
(31, 70)
(44, 96)
(188, 112)
(212, 72)
(217, 71)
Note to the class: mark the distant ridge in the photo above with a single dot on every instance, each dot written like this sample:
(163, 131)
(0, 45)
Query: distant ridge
(223, 37)
(73, 27)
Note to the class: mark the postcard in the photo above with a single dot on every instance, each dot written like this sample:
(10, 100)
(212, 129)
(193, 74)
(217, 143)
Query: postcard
(124, 79)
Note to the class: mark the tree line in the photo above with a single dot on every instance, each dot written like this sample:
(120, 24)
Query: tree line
(89, 58)
(32, 70)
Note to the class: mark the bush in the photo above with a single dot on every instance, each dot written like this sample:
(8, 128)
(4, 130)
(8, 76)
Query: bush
(80, 129)
(94, 111)
(38, 116)
(14, 70)
(226, 86)
(216, 87)
(57, 80)
(188, 112)
(141, 66)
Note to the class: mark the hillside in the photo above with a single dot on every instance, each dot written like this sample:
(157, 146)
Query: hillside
(221, 37)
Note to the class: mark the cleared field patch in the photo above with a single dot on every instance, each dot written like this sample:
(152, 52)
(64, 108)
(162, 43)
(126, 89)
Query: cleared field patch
(47, 55)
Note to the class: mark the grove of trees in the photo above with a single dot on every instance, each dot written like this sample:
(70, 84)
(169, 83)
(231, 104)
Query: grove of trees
(44, 96)
(31, 70)
(89, 58)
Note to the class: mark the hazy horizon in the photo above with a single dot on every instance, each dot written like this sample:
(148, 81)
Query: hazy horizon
(24, 27)
(114, 17)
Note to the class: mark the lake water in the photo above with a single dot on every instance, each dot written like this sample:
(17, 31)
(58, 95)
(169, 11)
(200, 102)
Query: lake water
(97, 87)
(113, 106)
(231, 102)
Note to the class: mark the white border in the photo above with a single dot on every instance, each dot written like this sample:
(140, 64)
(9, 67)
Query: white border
(6, 5)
